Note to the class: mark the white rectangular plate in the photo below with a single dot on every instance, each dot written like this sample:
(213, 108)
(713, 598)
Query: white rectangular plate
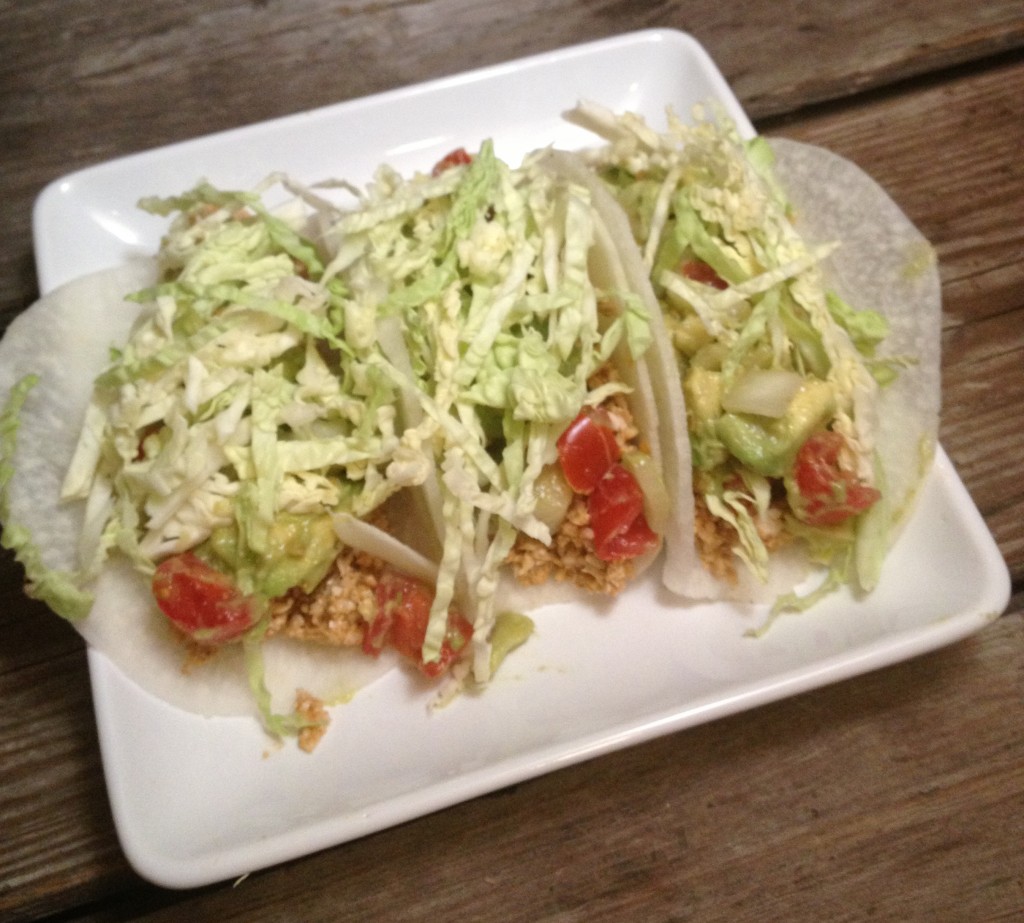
(199, 800)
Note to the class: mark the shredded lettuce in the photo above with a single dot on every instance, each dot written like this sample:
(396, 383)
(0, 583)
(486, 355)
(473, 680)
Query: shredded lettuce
(240, 396)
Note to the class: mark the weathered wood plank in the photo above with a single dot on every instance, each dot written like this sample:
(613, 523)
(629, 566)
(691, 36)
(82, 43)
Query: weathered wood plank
(58, 844)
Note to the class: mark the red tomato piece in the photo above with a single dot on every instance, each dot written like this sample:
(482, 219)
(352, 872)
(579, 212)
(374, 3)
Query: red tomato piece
(456, 158)
(201, 601)
(828, 495)
(699, 271)
(587, 450)
(616, 509)
(403, 610)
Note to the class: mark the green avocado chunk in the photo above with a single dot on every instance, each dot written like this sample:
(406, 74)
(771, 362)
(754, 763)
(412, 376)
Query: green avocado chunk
(300, 549)
(702, 389)
(769, 446)
(510, 630)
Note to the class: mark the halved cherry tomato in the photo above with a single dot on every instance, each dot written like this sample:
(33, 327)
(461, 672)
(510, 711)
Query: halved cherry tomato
(828, 495)
(699, 271)
(456, 158)
(403, 610)
(587, 450)
(616, 508)
(201, 601)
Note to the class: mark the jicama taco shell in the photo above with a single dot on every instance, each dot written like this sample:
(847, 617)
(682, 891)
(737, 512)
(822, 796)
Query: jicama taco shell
(655, 405)
(65, 339)
(608, 274)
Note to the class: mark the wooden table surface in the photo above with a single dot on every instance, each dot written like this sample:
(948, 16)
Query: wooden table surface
(898, 795)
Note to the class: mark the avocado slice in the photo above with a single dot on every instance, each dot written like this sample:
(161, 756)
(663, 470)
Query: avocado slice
(768, 446)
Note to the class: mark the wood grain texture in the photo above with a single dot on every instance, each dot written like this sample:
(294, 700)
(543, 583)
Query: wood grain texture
(894, 796)
(54, 815)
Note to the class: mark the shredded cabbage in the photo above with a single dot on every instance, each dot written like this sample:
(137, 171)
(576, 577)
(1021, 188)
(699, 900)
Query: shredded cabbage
(240, 396)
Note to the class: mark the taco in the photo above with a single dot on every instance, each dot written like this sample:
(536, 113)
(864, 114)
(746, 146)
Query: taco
(803, 310)
(526, 377)
(238, 495)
